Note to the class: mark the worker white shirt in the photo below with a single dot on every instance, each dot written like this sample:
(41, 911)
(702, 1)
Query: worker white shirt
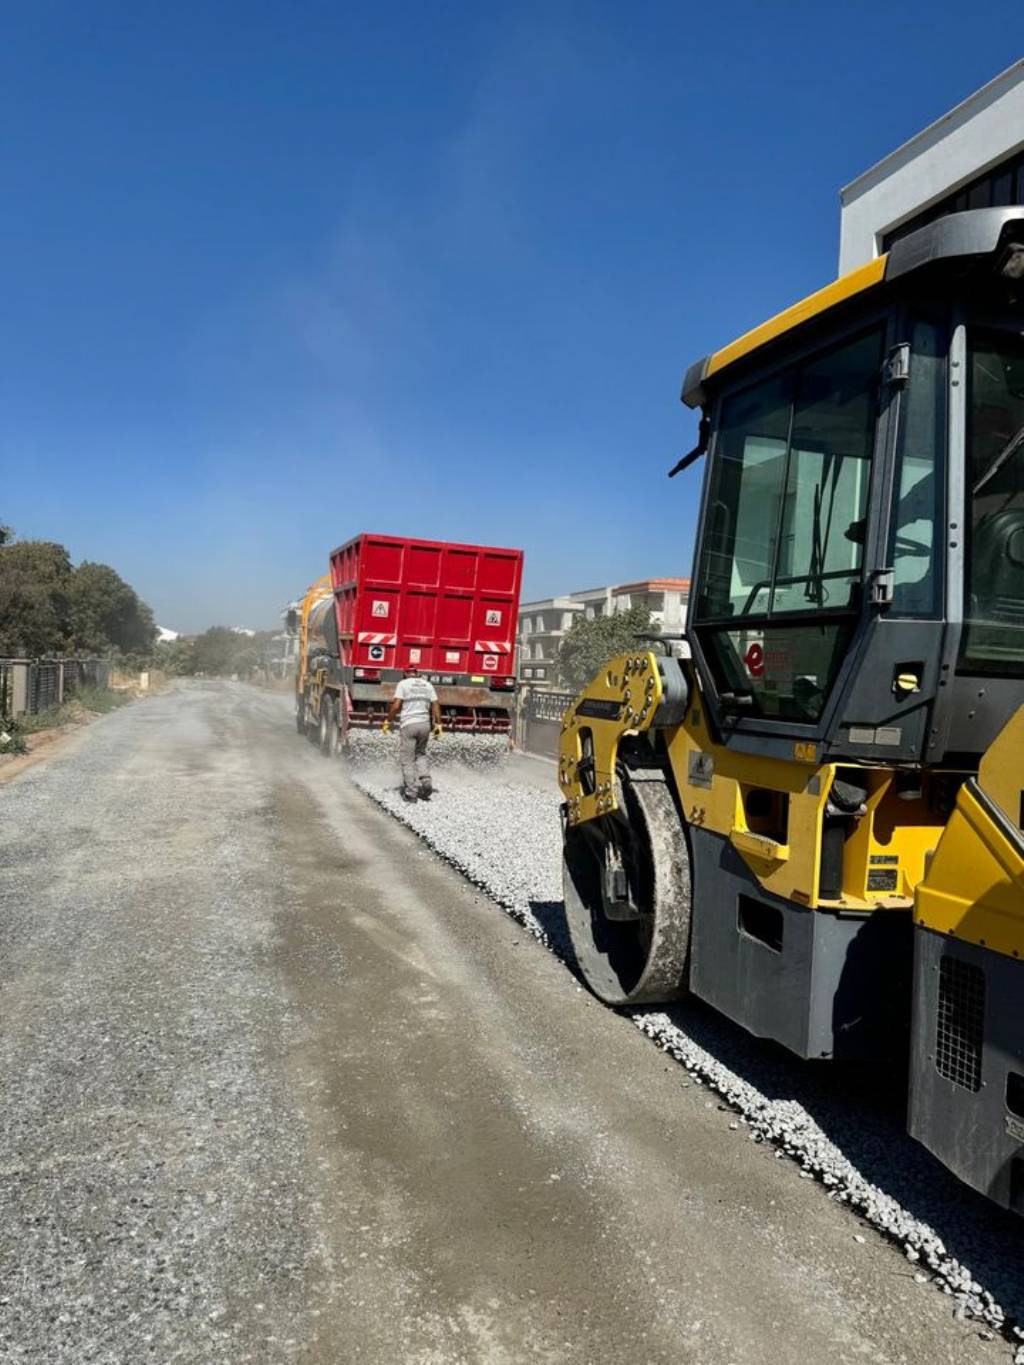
(416, 695)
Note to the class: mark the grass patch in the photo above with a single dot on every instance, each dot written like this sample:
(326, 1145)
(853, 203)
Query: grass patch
(100, 699)
(87, 701)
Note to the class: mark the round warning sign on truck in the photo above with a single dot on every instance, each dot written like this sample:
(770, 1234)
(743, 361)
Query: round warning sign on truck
(376, 653)
(491, 663)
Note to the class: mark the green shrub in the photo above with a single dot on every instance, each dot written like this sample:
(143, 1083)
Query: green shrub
(96, 700)
(100, 699)
(12, 736)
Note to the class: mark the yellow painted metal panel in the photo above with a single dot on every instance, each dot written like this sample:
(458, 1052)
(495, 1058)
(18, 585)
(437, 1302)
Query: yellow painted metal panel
(1001, 771)
(864, 277)
(974, 888)
(895, 835)
(716, 803)
(759, 846)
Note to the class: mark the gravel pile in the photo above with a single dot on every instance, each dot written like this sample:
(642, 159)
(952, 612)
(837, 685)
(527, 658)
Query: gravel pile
(371, 749)
(474, 782)
(843, 1127)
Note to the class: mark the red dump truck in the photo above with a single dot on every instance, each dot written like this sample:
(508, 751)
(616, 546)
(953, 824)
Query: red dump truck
(391, 603)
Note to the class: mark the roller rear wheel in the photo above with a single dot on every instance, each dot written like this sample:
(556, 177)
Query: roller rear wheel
(626, 877)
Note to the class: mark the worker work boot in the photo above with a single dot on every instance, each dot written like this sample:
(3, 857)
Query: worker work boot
(426, 790)
(408, 795)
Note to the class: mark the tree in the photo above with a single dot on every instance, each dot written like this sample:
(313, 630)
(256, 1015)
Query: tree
(175, 657)
(246, 661)
(589, 644)
(214, 651)
(106, 613)
(35, 580)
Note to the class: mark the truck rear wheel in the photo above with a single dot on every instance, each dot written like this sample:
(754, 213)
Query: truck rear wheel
(300, 715)
(626, 877)
(328, 728)
(343, 725)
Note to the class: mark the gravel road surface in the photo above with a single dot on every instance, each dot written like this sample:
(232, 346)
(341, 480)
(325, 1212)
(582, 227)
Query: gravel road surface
(280, 1085)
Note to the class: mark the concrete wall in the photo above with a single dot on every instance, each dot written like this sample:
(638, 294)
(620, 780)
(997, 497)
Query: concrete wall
(985, 129)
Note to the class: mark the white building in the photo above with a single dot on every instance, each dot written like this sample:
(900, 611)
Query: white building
(543, 623)
(971, 158)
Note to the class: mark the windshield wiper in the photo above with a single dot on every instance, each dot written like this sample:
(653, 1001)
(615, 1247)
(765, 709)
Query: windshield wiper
(1005, 455)
(815, 589)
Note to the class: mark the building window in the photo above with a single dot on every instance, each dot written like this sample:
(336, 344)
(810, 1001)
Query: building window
(527, 672)
(540, 674)
(1000, 187)
(526, 625)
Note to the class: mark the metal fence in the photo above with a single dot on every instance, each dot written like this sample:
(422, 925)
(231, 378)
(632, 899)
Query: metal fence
(44, 686)
(79, 673)
(540, 719)
(6, 689)
(548, 705)
(34, 685)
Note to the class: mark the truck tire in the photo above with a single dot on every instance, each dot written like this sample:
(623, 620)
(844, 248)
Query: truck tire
(300, 716)
(328, 728)
(343, 725)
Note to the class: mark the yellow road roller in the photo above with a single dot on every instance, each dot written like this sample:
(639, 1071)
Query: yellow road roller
(814, 823)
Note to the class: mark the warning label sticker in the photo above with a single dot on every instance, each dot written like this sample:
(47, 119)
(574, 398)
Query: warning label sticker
(451, 656)
(493, 618)
(415, 655)
(491, 663)
(381, 608)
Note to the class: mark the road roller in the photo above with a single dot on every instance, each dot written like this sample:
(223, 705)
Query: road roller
(814, 823)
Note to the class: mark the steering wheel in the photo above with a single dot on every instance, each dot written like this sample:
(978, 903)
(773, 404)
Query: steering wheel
(906, 546)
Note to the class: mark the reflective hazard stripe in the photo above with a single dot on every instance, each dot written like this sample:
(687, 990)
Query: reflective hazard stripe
(369, 637)
(493, 647)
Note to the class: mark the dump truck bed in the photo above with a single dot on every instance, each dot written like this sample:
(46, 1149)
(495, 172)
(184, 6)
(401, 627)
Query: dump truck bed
(449, 610)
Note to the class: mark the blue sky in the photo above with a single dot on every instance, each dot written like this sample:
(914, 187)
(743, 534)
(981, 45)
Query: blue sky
(277, 273)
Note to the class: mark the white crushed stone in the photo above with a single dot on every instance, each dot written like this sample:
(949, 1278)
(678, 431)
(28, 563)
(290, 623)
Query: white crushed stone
(503, 833)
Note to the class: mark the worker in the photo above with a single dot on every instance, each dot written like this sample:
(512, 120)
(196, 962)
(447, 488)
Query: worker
(415, 707)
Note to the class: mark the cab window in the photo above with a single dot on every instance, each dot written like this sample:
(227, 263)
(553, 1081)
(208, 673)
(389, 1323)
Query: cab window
(993, 638)
(781, 563)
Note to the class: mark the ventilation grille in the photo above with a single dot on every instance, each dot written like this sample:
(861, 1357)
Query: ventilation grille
(960, 1026)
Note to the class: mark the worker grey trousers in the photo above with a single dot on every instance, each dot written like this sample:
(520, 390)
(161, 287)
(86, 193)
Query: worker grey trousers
(412, 754)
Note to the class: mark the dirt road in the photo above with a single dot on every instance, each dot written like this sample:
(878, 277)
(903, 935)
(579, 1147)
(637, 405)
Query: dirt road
(277, 1085)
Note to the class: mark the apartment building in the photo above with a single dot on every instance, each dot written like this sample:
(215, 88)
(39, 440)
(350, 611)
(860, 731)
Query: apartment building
(544, 623)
